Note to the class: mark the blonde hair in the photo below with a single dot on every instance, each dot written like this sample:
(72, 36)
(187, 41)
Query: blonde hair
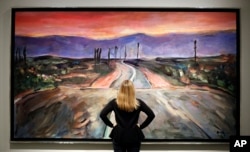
(126, 99)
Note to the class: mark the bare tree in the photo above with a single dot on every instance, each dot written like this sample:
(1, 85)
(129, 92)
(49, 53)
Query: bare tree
(125, 53)
(109, 55)
(24, 54)
(116, 48)
(138, 47)
(195, 51)
(97, 55)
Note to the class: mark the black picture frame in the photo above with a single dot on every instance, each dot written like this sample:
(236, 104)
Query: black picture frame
(53, 62)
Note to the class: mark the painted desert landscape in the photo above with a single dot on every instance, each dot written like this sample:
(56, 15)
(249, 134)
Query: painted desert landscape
(60, 84)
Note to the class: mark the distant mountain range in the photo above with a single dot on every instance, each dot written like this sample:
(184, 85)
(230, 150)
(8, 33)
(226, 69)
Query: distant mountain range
(171, 45)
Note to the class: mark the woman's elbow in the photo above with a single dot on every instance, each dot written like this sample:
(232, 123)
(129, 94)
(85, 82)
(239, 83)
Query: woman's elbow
(152, 116)
(101, 115)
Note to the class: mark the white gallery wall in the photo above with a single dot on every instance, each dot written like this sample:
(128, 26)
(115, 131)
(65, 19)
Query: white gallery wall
(5, 37)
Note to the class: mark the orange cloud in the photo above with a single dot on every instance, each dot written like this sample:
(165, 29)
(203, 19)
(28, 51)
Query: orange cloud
(104, 25)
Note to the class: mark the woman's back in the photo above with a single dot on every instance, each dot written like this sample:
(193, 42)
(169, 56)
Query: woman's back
(127, 119)
(126, 132)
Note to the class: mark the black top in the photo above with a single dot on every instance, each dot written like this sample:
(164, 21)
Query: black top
(127, 119)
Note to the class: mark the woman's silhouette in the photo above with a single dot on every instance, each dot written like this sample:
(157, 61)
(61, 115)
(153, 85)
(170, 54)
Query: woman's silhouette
(127, 133)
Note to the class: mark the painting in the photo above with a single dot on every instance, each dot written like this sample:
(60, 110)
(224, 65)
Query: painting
(68, 63)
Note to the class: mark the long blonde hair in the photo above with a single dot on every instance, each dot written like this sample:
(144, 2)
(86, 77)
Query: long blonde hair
(126, 99)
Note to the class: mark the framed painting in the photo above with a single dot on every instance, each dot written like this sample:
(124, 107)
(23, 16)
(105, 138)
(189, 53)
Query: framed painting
(68, 63)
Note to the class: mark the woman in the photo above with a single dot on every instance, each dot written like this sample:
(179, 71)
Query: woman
(126, 133)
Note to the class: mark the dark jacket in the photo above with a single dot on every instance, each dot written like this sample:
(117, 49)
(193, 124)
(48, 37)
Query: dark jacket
(126, 129)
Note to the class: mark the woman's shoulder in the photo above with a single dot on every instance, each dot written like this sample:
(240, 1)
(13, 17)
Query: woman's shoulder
(141, 102)
(112, 101)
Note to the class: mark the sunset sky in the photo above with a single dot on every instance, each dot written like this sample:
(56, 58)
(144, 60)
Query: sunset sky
(107, 25)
